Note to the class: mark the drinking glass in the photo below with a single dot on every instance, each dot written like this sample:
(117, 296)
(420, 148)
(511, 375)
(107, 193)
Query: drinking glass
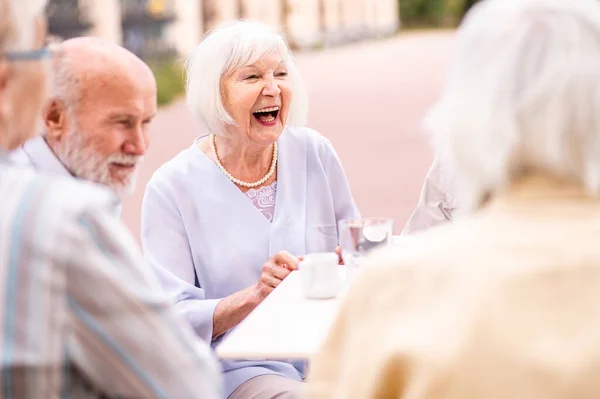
(358, 237)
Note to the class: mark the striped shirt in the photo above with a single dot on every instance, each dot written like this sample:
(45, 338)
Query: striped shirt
(80, 314)
(35, 153)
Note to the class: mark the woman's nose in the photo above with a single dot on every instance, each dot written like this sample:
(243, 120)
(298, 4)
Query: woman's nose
(271, 88)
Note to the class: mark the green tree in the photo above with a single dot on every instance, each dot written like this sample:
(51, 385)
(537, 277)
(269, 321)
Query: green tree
(433, 13)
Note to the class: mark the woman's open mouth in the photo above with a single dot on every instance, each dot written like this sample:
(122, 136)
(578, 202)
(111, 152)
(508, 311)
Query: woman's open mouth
(267, 116)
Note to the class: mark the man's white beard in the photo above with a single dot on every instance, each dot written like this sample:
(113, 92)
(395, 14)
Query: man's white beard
(80, 159)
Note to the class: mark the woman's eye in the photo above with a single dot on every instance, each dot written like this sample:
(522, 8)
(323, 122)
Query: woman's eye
(250, 77)
(281, 74)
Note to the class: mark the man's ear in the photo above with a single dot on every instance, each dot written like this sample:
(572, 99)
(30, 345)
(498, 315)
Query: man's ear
(5, 103)
(4, 74)
(56, 119)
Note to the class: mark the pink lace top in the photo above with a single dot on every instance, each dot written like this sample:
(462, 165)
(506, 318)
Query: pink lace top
(263, 199)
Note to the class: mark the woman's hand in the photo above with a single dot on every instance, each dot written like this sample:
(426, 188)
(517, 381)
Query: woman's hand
(231, 310)
(277, 268)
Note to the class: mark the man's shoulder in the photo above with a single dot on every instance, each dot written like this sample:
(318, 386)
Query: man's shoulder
(44, 216)
(20, 158)
(29, 190)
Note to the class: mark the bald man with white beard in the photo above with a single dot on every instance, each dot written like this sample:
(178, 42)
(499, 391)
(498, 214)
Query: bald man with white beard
(95, 124)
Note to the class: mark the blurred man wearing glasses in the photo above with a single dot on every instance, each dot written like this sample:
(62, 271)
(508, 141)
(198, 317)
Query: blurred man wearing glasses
(81, 315)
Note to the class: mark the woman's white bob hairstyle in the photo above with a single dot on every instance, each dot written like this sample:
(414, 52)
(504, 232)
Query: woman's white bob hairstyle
(523, 94)
(225, 49)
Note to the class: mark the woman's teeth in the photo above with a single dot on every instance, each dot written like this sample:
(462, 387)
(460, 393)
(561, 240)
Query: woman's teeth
(267, 118)
(267, 115)
(270, 109)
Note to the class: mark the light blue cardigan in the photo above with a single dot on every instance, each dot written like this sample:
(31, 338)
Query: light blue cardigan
(206, 240)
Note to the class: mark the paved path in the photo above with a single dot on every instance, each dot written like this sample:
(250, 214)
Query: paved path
(369, 100)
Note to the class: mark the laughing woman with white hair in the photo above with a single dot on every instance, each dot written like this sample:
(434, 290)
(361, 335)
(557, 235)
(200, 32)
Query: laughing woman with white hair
(225, 221)
(504, 302)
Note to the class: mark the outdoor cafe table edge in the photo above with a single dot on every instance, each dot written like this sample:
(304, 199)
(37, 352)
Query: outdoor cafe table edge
(286, 325)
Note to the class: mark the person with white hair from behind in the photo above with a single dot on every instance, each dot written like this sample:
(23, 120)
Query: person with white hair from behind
(81, 315)
(231, 215)
(505, 302)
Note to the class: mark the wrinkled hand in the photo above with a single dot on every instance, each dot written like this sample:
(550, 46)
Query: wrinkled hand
(277, 268)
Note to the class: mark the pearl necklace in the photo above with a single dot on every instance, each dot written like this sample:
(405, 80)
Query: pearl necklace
(239, 182)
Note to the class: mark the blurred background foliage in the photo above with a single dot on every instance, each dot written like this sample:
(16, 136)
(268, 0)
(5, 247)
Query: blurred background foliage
(433, 13)
(170, 79)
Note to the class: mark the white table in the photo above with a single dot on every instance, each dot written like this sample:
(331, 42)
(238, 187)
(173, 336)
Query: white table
(285, 325)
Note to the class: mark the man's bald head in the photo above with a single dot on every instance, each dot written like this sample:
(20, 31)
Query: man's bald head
(84, 64)
(103, 99)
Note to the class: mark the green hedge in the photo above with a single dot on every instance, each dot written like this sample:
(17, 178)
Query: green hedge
(433, 13)
(169, 80)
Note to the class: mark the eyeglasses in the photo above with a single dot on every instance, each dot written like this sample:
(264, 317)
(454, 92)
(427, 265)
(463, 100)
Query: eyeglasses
(29, 55)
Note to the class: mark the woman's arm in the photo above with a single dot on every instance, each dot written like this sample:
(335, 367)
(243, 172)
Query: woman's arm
(232, 310)
(166, 248)
(167, 251)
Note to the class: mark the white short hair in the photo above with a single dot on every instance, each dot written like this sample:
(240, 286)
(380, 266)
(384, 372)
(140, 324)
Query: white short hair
(523, 94)
(16, 23)
(65, 85)
(228, 47)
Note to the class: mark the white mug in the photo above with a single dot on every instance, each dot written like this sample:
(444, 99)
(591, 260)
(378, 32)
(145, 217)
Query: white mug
(320, 275)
